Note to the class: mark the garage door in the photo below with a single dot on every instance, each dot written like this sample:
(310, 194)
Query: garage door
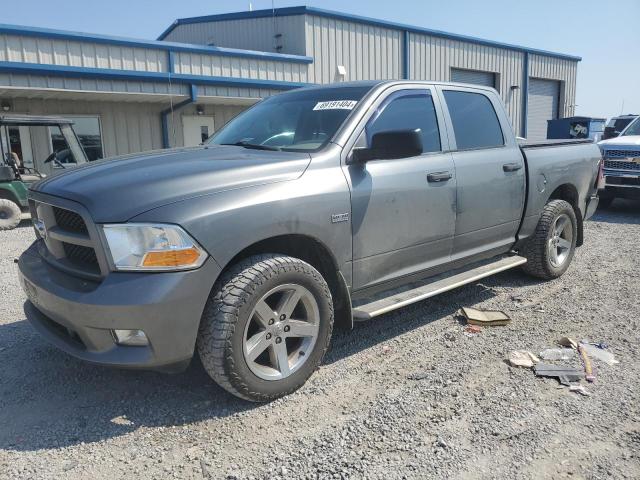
(474, 77)
(543, 106)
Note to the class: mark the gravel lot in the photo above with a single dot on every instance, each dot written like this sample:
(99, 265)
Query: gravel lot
(407, 395)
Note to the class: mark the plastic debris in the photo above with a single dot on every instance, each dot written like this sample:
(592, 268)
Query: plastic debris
(472, 330)
(564, 375)
(386, 349)
(579, 389)
(599, 353)
(557, 354)
(488, 318)
(522, 358)
(568, 342)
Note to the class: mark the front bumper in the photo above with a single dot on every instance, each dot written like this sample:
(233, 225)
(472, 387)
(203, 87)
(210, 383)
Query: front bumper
(77, 315)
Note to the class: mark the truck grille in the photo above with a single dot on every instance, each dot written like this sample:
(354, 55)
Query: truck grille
(621, 165)
(70, 221)
(69, 239)
(621, 153)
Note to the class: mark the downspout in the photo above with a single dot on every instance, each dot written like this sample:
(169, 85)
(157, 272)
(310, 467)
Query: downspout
(405, 54)
(525, 95)
(164, 114)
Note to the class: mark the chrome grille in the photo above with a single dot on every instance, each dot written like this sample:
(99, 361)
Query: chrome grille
(621, 165)
(70, 221)
(621, 153)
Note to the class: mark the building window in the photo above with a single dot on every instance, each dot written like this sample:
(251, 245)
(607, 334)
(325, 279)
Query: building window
(475, 123)
(89, 133)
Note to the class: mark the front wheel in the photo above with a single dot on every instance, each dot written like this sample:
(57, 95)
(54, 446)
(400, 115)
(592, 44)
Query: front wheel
(550, 249)
(266, 327)
(10, 214)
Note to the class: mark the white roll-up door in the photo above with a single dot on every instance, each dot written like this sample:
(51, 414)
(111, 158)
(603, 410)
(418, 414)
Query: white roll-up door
(543, 102)
(474, 77)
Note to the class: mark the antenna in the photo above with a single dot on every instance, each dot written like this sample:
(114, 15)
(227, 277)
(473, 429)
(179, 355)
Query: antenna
(622, 109)
(250, 7)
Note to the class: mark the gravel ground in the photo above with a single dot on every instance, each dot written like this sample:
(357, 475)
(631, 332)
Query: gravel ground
(406, 395)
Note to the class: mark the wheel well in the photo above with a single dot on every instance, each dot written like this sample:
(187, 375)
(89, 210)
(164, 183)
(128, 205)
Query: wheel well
(569, 193)
(7, 195)
(314, 253)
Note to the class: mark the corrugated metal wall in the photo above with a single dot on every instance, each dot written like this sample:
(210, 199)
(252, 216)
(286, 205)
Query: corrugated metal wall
(15, 48)
(432, 58)
(212, 65)
(250, 34)
(565, 71)
(366, 51)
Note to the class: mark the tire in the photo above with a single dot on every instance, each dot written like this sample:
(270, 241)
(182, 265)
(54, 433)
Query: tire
(10, 214)
(234, 317)
(539, 248)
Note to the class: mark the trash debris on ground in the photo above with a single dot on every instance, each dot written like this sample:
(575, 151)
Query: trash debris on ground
(522, 358)
(418, 375)
(564, 374)
(386, 349)
(557, 354)
(579, 389)
(568, 342)
(599, 353)
(472, 330)
(588, 369)
(601, 345)
(485, 317)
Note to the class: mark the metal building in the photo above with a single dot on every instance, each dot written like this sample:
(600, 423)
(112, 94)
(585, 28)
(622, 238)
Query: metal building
(132, 95)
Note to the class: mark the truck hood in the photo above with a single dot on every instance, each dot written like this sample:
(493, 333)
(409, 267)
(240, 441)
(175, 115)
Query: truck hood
(630, 140)
(118, 189)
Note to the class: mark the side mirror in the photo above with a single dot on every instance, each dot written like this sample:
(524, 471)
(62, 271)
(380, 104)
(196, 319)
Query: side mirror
(390, 145)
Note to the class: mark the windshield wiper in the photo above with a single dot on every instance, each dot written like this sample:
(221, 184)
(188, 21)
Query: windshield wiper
(253, 145)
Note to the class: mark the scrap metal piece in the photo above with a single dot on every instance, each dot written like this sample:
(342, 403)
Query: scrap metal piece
(564, 375)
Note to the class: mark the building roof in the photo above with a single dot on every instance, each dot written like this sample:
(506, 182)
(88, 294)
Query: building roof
(304, 10)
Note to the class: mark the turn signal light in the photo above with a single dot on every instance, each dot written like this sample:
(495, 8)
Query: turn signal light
(171, 258)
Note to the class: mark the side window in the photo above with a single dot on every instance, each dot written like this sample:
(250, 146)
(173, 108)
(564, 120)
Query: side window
(475, 123)
(408, 111)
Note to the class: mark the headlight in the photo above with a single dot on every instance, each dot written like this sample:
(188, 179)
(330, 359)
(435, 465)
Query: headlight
(146, 246)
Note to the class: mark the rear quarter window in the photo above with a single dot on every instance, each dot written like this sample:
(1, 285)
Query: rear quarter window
(475, 123)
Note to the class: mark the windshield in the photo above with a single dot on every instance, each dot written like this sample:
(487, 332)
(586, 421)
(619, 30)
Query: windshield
(302, 120)
(633, 128)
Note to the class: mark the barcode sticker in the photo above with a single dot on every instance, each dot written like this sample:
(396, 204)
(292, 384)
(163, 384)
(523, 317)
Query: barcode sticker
(336, 105)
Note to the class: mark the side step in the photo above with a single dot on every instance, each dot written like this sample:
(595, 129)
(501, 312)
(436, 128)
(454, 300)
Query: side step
(435, 286)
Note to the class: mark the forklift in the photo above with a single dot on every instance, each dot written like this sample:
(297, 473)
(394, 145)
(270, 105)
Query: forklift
(16, 177)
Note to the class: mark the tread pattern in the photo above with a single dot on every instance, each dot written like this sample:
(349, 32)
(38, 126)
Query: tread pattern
(15, 214)
(235, 288)
(535, 249)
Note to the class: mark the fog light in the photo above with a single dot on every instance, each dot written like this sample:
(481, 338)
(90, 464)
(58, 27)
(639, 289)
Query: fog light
(135, 338)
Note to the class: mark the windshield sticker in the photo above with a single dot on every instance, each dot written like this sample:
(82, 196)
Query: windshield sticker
(336, 105)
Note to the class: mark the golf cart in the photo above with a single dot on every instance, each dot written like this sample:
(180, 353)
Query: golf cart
(46, 134)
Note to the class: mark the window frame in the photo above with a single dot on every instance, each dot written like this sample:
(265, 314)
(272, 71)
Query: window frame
(499, 110)
(377, 99)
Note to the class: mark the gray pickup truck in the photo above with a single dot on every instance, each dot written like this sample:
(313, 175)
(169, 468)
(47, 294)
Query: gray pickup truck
(336, 202)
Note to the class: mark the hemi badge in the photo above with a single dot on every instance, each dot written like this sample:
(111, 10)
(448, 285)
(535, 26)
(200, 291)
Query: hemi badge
(339, 217)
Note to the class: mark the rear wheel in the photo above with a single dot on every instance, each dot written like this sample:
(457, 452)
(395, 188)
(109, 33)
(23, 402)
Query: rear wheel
(266, 327)
(10, 214)
(550, 249)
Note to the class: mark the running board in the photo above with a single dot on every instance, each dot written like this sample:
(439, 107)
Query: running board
(436, 285)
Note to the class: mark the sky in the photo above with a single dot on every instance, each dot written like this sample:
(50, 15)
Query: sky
(605, 34)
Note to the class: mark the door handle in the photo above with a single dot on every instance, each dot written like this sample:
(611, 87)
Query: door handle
(438, 176)
(511, 167)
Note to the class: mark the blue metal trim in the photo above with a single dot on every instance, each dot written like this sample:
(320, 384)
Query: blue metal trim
(525, 95)
(302, 10)
(171, 61)
(136, 43)
(405, 54)
(164, 114)
(84, 72)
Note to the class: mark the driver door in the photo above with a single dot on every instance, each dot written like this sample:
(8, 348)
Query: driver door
(403, 210)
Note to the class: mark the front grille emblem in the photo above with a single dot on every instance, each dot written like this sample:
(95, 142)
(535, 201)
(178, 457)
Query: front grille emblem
(41, 228)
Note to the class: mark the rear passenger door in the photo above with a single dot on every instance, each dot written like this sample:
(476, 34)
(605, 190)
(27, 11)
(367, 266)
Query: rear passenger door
(490, 172)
